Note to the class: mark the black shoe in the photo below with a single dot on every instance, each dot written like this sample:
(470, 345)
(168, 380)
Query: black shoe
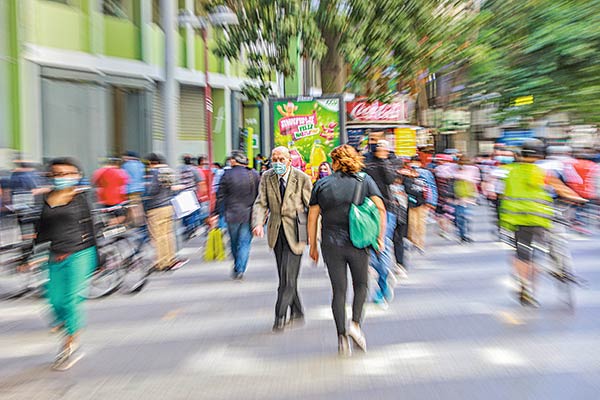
(527, 300)
(279, 325)
(237, 276)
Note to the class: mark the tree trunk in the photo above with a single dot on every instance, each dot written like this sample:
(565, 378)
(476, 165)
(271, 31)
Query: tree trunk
(333, 71)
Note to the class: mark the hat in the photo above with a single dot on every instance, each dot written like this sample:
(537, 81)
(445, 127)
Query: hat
(239, 157)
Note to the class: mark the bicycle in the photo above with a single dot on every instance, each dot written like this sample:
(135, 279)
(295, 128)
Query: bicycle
(125, 255)
(555, 248)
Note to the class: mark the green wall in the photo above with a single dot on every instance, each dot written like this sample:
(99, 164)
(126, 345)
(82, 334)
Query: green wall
(215, 64)
(219, 125)
(121, 38)
(60, 25)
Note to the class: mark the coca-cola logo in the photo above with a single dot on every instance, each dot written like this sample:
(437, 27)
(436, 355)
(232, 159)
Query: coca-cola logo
(376, 111)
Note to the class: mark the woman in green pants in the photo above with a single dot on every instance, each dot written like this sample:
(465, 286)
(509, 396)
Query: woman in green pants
(67, 224)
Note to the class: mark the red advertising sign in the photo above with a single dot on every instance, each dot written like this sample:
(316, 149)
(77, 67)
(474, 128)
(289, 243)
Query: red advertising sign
(299, 126)
(377, 111)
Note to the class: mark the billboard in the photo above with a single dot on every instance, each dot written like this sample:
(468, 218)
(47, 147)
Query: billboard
(309, 126)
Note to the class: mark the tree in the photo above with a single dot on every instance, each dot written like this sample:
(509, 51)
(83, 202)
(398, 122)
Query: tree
(547, 49)
(263, 37)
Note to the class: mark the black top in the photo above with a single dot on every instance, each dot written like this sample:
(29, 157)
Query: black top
(238, 189)
(334, 195)
(68, 228)
(384, 174)
(158, 188)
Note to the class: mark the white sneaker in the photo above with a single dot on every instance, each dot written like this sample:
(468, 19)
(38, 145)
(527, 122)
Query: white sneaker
(357, 336)
(400, 272)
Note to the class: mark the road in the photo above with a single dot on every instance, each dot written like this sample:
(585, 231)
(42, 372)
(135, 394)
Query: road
(453, 331)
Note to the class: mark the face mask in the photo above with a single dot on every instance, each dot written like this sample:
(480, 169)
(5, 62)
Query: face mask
(64, 183)
(323, 174)
(279, 168)
(372, 147)
(505, 159)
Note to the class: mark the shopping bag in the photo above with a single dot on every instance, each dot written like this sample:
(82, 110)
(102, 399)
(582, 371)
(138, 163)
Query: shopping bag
(185, 203)
(214, 251)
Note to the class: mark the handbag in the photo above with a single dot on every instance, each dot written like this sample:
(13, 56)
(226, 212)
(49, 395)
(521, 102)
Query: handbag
(364, 217)
(215, 250)
(185, 203)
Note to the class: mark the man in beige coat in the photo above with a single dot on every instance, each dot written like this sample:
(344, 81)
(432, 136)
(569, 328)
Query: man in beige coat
(286, 228)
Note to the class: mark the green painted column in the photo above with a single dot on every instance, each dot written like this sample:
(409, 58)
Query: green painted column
(14, 73)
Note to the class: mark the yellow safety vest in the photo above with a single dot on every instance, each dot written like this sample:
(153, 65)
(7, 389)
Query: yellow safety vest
(525, 201)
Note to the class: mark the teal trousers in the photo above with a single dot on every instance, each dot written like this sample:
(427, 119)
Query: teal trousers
(68, 279)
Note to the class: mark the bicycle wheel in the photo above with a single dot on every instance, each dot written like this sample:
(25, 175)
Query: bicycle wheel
(139, 269)
(109, 276)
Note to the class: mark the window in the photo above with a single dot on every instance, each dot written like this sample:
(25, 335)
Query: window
(117, 8)
(156, 12)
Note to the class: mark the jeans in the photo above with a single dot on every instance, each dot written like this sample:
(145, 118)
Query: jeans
(241, 238)
(191, 222)
(462, 223)
(382, 261)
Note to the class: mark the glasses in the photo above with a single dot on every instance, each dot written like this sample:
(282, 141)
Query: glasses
(61, 174)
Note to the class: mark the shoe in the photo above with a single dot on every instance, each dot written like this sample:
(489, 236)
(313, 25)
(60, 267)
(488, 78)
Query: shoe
(400, 271)
(526, 299)
(178, 264)
(357, 336)
(344, 349)
(68, 356)
(379, 300)
(279, 325)
(57, 328)
(388, 294)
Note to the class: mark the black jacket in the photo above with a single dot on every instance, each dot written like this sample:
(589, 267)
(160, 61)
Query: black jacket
(238, 189)
(384, 174)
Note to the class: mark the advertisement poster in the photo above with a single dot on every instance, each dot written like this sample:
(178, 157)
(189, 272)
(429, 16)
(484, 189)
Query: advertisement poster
(309, 127)
(405, 142)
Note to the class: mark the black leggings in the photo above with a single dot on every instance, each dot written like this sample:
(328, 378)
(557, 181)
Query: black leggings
(338, 258)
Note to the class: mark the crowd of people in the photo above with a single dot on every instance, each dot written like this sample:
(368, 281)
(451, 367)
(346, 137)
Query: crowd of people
(275, 199)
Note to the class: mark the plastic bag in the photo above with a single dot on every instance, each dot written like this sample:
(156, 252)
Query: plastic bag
(214, 251)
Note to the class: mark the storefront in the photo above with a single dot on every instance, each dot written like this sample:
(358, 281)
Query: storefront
(392, 118)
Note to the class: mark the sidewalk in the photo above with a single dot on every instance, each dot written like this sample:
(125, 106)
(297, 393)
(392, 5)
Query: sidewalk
(453, 332)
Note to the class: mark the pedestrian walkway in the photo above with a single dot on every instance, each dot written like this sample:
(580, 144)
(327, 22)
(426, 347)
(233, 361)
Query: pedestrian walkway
(452, 332)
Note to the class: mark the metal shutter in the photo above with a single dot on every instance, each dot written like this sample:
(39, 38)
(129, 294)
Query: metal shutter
(158, 114)
(191, 122)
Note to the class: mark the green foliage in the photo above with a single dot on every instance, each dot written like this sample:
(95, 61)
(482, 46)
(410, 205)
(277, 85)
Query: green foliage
(263, 37)
(545, 48)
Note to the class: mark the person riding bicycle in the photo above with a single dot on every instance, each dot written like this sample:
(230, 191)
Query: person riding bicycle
(527, 208)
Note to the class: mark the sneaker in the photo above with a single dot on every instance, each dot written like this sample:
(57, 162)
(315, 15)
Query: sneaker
(357, 336)
(388, 295)
(344, 349)
(67, 358)
(400, 271)
(178, 264)
(379, 300)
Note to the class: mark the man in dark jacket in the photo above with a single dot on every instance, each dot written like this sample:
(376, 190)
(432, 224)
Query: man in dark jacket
(383, 172)
(238, 189)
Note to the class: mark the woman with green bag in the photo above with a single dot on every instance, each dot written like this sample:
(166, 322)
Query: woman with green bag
(332, 198)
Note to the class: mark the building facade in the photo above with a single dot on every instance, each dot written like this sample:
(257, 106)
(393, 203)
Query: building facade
(89, 78)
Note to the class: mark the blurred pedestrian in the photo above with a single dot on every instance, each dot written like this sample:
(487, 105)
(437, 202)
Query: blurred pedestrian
(191, 179)
(66, 223)
(111, 183)
(382, 170)
(160, 185)
(324, 170)
(237, 192)
(136, 171)
(207, 195)
(465, 193)
(331, 198)
(283, 197)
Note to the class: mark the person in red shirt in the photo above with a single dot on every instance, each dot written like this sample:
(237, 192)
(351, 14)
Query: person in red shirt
(111, 183)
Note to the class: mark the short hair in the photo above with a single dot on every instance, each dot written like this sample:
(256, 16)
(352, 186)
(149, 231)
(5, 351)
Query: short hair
(70, 161)
(347, 159)
(154, 158)
(282, 149)
(187, 159)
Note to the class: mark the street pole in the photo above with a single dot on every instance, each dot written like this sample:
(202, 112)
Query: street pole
(171, 86)
(208, 98)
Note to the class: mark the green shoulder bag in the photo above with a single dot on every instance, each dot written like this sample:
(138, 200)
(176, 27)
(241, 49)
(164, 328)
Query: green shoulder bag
(364, 217)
